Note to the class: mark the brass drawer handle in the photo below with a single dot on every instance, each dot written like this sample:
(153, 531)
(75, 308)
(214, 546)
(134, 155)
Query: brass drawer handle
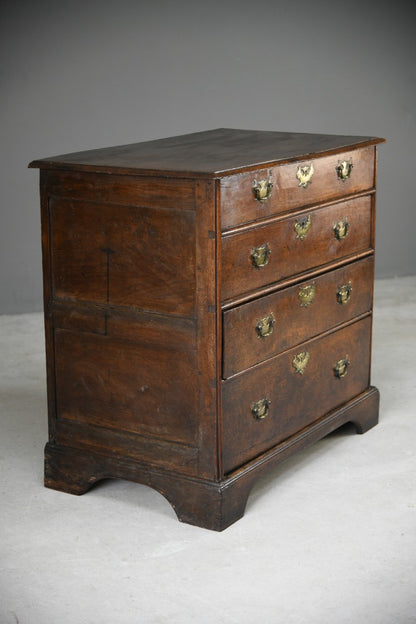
(344, 293)
(302, 227)
(304, 175)
(300, 362)
(260, 255)
(344, 169)
(264, 326)
(341, 229)
(341, 367)
(306, 295)
(262, 189)
(260, 409)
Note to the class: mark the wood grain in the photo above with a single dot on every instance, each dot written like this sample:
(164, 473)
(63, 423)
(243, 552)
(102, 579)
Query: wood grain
(126, 386)
(294, 322)
(204, 154)
(289, 254)
(151, 298)
(238, 203)
(126, 256)
(296, 399)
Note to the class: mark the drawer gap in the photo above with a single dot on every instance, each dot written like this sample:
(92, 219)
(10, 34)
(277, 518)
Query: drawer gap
(292, 213)
(291, 281)
(299, 345)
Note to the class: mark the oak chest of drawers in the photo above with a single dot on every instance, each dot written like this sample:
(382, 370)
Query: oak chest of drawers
(208, 308)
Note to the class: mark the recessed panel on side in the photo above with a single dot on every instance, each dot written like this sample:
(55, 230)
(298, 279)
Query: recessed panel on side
(123, 255)
(127, 386)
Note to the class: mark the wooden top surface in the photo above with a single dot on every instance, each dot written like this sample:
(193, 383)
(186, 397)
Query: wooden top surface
(205, 154)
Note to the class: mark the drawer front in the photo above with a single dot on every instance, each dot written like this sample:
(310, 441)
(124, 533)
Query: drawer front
(294, 185)
(266, 254)
(256, 331)
(273, 401)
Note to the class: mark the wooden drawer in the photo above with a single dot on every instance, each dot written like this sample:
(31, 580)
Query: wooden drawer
(283, 250)
(260, 329)
(239, 205)
(295, 399)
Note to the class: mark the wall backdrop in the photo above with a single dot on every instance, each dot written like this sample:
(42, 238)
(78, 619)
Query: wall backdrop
(85, 74)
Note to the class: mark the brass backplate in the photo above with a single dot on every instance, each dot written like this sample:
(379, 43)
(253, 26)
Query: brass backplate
(260, 408)
(264, 326)
(341, 229)
(344, 169)
(262, 189)
(344, 293)
(300, 361)
(260, 255)
(302, 227)
(304, 174)
(306, 294)
(341, 367)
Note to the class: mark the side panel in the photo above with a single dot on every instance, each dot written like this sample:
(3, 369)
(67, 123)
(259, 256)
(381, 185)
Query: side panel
(123, 255)
(124, 385)
(130, 315)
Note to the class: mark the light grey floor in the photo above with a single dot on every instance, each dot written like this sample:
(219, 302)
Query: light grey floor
(328, 538)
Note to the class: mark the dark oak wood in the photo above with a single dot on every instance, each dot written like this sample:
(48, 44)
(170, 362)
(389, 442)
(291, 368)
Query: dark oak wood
(122, 190)
(207, 504)
(239, 205)
(289, 254)
(295, 321)
(154, 366)
(171, 331)
(296, 399)
(108, 253)
(94, 385)
(205, 154)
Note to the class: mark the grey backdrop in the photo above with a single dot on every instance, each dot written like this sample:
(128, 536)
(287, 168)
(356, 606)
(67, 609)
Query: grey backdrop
(80, 75)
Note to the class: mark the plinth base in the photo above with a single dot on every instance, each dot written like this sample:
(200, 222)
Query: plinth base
(208, 504)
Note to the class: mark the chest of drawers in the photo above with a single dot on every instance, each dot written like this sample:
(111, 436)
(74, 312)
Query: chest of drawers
(208, 306)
